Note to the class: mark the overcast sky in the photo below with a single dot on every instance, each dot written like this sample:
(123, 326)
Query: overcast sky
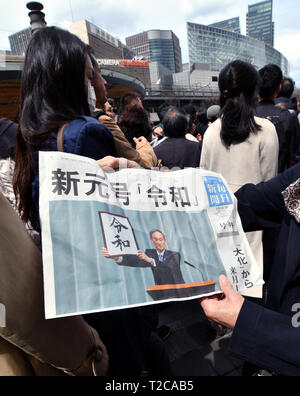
(123, 18)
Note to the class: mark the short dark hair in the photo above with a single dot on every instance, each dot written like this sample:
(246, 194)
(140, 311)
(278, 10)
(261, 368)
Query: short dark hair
(128, 98)
(134, 122)
(288, 87)
(189, 109)
(162, 111)
(175, 123)
(154, 231)
(271, 78)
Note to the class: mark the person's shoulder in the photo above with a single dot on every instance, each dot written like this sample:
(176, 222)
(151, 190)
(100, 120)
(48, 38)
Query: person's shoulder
(265, 124)
(172, 253)
(214, 128)
(84, 125)
(87, 136)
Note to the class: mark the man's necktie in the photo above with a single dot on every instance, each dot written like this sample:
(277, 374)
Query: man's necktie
(161, 258)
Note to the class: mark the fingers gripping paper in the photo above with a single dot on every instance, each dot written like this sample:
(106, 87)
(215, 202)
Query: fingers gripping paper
(136, 237)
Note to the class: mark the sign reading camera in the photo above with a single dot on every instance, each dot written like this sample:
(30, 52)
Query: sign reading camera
(122, 63)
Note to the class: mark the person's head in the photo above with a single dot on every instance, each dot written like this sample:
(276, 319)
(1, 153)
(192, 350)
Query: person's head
(288, 87)
(55, 79)
(135, 123)
(239, 84)
(213, 113)
(98, 82)
(159, 240)
(175, 123)
(271, 82)
(107, 107)
(202, 117)
(162, 111)
(190, 110)
(129, 100)
(191, 125)
(55, 83)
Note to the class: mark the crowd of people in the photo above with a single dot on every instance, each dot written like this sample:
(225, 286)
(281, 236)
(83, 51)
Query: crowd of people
(251, 136)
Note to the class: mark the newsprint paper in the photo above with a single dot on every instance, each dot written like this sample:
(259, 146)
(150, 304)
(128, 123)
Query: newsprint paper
(114, 240)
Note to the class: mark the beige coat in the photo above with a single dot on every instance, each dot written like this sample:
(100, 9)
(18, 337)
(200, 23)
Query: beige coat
(253, 161)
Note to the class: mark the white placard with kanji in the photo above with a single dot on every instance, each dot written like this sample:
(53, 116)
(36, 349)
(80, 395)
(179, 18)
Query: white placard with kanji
(118, 235)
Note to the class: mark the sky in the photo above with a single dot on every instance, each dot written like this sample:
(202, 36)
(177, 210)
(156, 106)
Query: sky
(123, 18)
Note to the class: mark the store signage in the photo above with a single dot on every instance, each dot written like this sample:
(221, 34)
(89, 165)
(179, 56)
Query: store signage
(123, 63)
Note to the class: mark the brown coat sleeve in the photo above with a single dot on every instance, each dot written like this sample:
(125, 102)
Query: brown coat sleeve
(147, 154)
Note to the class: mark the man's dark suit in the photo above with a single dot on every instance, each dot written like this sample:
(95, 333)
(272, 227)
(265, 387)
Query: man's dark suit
(179, 152)
(167, 272)
(265, 336)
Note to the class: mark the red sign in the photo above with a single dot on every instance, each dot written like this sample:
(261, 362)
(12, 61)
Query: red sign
(136, 63)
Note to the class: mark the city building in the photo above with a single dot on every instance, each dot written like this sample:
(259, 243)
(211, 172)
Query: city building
(160, 76)
(217, 47)
(260, 23)
(119, 68)
(19, 41)
(158, 46)
(198, 78)
(233, 25)
(103, 44)
(124, 75)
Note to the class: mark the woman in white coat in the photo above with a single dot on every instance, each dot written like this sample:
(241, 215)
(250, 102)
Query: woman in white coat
(239, 146)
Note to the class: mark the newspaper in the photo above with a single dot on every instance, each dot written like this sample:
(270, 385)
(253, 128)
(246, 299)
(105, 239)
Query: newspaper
(114, 240)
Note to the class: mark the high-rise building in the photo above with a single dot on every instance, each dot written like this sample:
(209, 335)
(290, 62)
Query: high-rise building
(158, 46)
(19, 41)
(217, 47)
(233, 25)
(260, 23)
(103, 44)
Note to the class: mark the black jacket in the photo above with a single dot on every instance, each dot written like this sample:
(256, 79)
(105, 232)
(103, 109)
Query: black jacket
(179, 152)
(8, 133)
(266, 337)
(167, 272)
(288, 131)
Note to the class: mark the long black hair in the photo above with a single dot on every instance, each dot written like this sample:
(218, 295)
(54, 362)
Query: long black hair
(52, 93)
(239, 83)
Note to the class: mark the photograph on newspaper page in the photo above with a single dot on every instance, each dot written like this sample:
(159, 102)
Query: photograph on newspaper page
(114, 240)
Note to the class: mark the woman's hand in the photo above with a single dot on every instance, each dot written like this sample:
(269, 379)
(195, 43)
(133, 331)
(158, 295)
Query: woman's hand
(140, 141)
(224, 311)
(109, 162)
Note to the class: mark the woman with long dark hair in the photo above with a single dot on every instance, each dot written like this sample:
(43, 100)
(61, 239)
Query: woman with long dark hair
(57, 89)
(239, 145)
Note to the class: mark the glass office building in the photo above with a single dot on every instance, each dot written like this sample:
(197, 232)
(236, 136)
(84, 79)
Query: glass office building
(260, 22)
(217, 47)
(158, 46)
(233, 25)
(19, 41)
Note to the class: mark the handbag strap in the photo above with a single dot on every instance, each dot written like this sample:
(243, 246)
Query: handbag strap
(60, 137)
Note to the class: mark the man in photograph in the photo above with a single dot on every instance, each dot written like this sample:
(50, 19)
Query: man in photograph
(164, 263)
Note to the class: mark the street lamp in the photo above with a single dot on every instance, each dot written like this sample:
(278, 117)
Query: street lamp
(37, 17)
